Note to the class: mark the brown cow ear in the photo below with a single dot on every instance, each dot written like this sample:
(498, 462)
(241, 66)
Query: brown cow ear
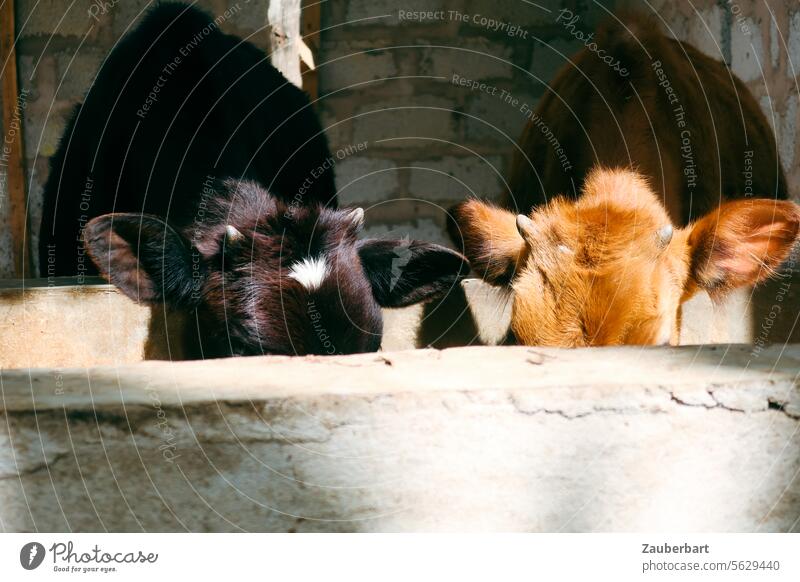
(143, 256)
(742, 243)
(489, 238)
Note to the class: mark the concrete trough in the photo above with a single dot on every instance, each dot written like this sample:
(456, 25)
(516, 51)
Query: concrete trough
(476, 438)
(94, 437)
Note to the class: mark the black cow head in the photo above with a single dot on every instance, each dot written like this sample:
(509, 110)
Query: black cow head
(269, 277)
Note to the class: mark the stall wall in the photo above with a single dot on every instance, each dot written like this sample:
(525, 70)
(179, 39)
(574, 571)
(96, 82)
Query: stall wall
(423, 101)
(433, 95)
(60, 47)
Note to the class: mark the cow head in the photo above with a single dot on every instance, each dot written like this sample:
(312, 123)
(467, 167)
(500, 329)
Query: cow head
(267, 277)
(611, 268)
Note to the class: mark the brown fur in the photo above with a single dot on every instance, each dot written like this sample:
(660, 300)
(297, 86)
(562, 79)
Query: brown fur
(602, 118)
(596, 271)
(592, 265)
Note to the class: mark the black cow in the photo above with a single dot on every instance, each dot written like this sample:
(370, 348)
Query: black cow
(195, 175)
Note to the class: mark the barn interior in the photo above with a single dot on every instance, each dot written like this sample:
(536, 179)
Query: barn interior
(448, 427)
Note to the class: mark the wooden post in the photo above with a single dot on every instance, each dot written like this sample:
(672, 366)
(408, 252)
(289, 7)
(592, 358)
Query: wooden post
(310, 24)
(294, 41)
(284, 19)
(12, 157)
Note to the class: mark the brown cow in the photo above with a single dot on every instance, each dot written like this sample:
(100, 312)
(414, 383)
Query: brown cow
(610, 259)
(677, 116)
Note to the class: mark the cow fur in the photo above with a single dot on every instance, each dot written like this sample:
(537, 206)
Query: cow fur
(217, 197)
(612, 242)
(220, 110)
(601, 118)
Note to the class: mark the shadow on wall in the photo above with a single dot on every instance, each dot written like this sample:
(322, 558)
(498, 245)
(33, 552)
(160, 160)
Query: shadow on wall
(776, 310)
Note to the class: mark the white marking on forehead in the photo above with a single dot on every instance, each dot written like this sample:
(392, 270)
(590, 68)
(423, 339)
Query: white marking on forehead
(310, 272)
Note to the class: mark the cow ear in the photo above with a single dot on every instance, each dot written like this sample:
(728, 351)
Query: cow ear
(489, 237)
(142, 256)
(742, 243)
(405, 271)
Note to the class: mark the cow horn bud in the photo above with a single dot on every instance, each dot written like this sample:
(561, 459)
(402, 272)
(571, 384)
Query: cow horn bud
(664, 235)
(232, 235)
(356, 217)
(525, 226)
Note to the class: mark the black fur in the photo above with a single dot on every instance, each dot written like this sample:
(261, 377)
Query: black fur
(208, 199)
(247, 303)
(221, 110)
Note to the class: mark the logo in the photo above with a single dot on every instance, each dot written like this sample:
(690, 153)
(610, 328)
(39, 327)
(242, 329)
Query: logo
(31, 555)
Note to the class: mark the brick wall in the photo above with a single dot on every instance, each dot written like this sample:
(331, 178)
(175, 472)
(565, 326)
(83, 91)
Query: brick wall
(60, 46)
(411, 141)
(387, 80)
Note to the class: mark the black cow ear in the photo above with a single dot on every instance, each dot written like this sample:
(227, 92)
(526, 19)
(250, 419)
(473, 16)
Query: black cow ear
(143, 256)
(405, 271)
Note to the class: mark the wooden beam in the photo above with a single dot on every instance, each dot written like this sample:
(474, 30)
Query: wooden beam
(12, 156)
(284, 19)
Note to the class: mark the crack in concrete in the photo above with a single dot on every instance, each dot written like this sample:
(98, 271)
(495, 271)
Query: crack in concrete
(571, 416)
(35, 468)
(276, 440)
(722, 405)
(772, 404)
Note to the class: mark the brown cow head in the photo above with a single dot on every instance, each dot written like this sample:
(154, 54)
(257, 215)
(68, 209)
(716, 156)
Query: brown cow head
(611, 268)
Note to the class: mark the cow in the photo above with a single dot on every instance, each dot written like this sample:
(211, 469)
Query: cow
(675, 115)
(195, 176)
(637, 184)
